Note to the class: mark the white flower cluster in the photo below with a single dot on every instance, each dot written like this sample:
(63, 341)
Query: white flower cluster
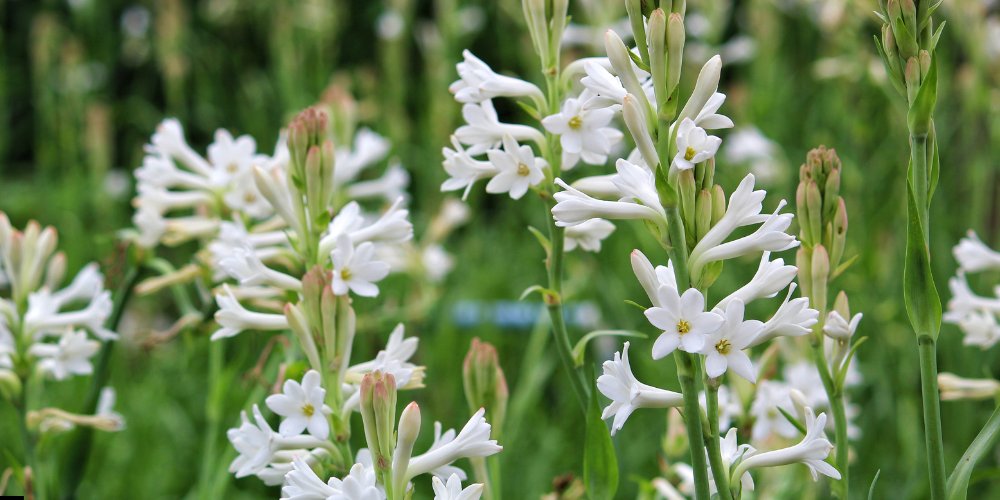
(975, 314)
(45, 326)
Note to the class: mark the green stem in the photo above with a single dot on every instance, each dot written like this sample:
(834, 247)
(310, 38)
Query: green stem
(932, 416)
(836, 397)
(688, 375)
(719, 469)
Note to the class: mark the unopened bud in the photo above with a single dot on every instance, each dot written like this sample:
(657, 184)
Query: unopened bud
(10, 386)
(718, 204)
(831, 193)
(820, 277)
(925, 63)
(657, 35)
(802, 212)
(814, 203)
(308, 129)
(378, 412)
(803, 260)
(299, 324)
(841, 305)
(703, 216)
(954, 387)
(485, 384)
(909, 11)
(912, 77)
(799, 401)
(635, 122)
(687, 190)
(56, 271)
(409, 429)
(839, 236)
(675, 50)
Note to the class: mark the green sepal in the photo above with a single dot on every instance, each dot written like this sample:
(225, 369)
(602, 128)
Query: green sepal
(918, 118)
(792, 420)
(923, 306)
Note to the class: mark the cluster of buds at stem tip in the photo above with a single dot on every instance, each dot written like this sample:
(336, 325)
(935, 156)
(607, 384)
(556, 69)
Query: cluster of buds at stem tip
(485, 384)
(313, 320)
(822, 217)
(907, 48)
(378, 412)
(311, 168)
(546, 21)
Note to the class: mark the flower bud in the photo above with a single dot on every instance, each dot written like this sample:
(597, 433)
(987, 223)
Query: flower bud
(925, 63)
(308, 129)
(485, 384)
(703, 215)
(802, 211)
(10, 386)
(300, 326)
(803, 259)
(911, 75)
(820, 267)
(378, 412)
(839, 236)
(537, 21)
(687, 190)
(814, 202)
(841, 305)
(409, 428)
(954, 387)
(657, 26)
(621, 62)
(909, 11)
(799, 401)
(718, 203)
(56, 271)
(675, 50)
(635, 121)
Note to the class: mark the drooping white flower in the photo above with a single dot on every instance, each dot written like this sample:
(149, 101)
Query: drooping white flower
(359, 484)
(724, 349)
(463, 170)
(608, 89)
(973, 255)
(792, 319)
(811, 451)
(302, 407)
(583, 132)
(356, 269)
(635, 184)
(367, 149)
(70, 356)
(302, 483)
(234, 318)
(484, 131)
(472, 441)
(836, 327)
(245, 265)
(393, 226)
(683, 320)
(627, 394)
(772, 276)
(452, 490)
(652, 279)
(44, 316)
(694, 145)
(588, 235)
(517, 169)
(478, 82)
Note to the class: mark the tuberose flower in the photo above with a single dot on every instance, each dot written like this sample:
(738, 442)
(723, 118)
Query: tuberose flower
(301, 406)
(627, 394)
(356, 269)
(452, 490)
(518, 169)
(694, 145)
(724, 348)
(683, 321)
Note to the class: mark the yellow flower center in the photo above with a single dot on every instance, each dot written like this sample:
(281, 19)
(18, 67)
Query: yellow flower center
(308, 410)
(232, 168)
(723, 346)
(249, 198)
(689, 153)
(683, 326)
(522, 170)
(575, 122)
(345, 274)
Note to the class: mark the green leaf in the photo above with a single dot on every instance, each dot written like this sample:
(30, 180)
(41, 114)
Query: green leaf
(581, 346)
(922, 109)
(542, 240)
(545, 292)
(958, 481)
(843, 266)
(638, 61)
(636, 304)
(792, 420)
(600, 465)
(531, 110)
(923, 306)
(871, 489)
(842, 375)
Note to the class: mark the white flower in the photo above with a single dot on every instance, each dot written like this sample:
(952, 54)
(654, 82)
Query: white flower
(367, 149)
(652, 279)
(356, 269)
(393, 226)
(705, 100)
(302, 483)
(811, 451)
(472, 441)
(683, 320)
(478, 82)
(70, 356)
(463, 170)
(627, 394)
(980, 329)
(106, 409)
(694, 145)
(359, 484)
(302, 407)
(392, 185)
(837, 327)
(635, 184)
(732, 451)
(588, 235)
(973, 255)
(517, 167)
(771, 277)
(724, 348)
(583, 132)
(607, 87)
(244, 264)
(483, 129)
(770, 396)
(234, 318)
(43, 315)
(265, 453)
(452, 490)
(954, 387)
(792, 319)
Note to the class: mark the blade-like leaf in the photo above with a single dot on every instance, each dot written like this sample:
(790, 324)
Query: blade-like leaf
(923, 306)
(958, 482)
(600, 465)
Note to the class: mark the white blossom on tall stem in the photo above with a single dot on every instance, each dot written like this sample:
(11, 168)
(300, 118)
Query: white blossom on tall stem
(811, 451)
(452, 490)
(478, 82)
(694, 145)
(627, 394)
(588, 235)
(301, 407)
(518, 169)
(793, 318)
(356, 269)
(837, 327)
(723, 349)
(772, 276)
(974, 256)
(472, 441)
(233, 318)
(463, 170)
(583, 132)
(683, 320)
(70, 356)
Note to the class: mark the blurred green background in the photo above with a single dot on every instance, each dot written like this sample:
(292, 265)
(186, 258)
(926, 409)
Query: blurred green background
(83, 83)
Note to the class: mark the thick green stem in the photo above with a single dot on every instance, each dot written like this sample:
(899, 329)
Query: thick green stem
(554, 305)
(932, 416)
(688, 375)
(835, 395)
(719, 469)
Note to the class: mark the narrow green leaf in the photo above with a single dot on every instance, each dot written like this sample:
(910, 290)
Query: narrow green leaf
(842, 374)
(581, 346)
(531, 110)
(600, 465)
(636, 304)
(792, 420)
(958, 482)
(919, 116)
(545, 292)
(871, 489)
(923, 306)
(843, 266)
(542, 240)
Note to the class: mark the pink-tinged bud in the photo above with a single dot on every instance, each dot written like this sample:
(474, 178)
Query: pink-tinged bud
(831, 193)
(378, 413)
(925, 63)
(409, 429)
(912, 77)
(657, 36)
(56, 271)
(485, 383)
